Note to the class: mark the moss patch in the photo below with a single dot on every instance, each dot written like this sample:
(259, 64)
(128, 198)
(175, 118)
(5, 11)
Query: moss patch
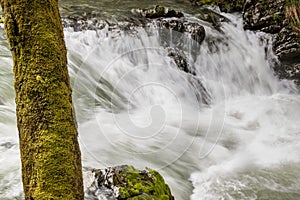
(147, 184)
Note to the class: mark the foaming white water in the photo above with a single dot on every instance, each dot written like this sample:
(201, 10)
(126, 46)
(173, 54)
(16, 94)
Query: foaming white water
(134, 106)
(261, 136)
(10, 174)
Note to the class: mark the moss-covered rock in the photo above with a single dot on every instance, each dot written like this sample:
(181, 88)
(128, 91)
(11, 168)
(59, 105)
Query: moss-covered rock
(126, 182)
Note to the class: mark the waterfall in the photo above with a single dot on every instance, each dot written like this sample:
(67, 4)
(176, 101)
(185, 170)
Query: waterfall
(227, 130)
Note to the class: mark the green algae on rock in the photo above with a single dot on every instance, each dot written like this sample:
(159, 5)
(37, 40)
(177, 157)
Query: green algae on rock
(126, 182)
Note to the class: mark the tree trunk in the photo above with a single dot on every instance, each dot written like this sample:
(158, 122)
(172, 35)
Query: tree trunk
(50, 154)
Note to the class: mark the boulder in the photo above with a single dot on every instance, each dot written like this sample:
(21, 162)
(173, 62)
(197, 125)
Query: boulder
(126, 182)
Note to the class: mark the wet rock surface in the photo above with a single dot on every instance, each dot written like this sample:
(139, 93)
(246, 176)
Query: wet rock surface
(212, 17)
(266, 16)
(158, 12)
(181, 60)
(126, 182)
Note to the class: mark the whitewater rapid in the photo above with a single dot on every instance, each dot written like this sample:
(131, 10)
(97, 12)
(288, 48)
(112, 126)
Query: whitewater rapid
(134, 106)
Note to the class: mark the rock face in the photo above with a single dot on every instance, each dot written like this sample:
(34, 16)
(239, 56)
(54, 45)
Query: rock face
(270, 17)
(126, 182)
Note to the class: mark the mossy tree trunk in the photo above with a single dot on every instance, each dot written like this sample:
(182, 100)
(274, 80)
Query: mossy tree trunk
(50, 154)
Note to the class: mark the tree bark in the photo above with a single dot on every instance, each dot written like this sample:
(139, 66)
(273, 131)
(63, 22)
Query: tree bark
(50, 154)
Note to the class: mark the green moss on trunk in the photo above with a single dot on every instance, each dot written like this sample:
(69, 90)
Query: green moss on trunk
(50, 154)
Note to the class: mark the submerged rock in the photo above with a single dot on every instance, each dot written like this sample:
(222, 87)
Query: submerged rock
(180, 59)
(126, 182)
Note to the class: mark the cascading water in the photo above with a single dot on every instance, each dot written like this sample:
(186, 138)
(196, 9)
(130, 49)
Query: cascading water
(135, 106)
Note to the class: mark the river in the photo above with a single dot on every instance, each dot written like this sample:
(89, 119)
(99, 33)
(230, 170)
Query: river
(134, 106)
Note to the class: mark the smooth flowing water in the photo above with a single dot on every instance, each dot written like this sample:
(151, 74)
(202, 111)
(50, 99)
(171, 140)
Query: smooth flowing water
(134, 106)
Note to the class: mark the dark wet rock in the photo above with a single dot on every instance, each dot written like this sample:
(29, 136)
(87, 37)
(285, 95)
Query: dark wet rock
(195, 30)
(182, 63)
(173, 24)
(202, 94)
(215, 43)
(159, 12)
(79, 23)
(212, 17)
(180, 59)
(266, 16)
(289, 71)
(287, 46)
(126, 182)
(7, 145)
